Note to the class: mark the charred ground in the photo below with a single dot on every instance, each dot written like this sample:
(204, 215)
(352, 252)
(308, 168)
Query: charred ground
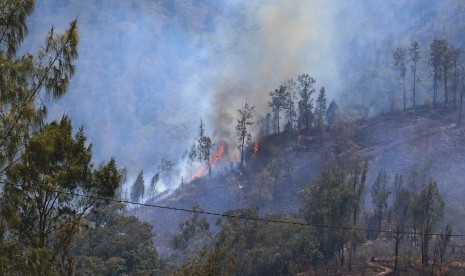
(394, 142)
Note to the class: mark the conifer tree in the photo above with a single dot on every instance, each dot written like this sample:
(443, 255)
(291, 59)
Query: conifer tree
(138, 187)
(204, 147)
(428, 211)
(277, 103)
(331, 113)
(243, 134)
(414, 56)
(379, 196)
(24, 76)
(46, 196)
(437, 50)
(305, 104)
(400, 61)
(320, 112)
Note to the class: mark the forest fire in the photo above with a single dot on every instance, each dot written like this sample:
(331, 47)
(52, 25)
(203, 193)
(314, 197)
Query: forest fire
(199, 173)
(255, 148)
(215, 157)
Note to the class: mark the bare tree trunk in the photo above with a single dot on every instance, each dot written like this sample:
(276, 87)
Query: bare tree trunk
(414, 83)
(404, 93)
(461, 99)
(446, 96)
(397, 245)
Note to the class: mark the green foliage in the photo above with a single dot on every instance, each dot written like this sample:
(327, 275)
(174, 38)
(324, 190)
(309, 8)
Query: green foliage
(195, 229)
(207, 262)
(115, 244)
(335, 198)
(260, 248)
(41, 202)
(24, 77)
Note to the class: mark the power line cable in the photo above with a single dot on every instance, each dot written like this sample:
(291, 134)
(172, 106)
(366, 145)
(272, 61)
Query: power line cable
(304, 224)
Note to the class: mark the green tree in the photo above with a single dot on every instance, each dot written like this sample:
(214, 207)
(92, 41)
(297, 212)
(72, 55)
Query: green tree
(23, 77)
(278, 102)
(305, 104)
(115, 244)
(46, 196)
(414, 57)
(138, 188)
(243, 134)
(194, 232)
(428, 211)
(329, 201)
(259, 248)
(379, 196)
(400, 61)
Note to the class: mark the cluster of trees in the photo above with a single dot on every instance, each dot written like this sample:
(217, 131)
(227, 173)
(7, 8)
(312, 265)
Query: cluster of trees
(49, 185)
(416, 205)
(251, 247)
(444, 62)
(295, 100)
(411, 207)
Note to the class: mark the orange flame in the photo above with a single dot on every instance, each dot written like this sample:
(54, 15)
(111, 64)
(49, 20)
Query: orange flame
(199, 173)
(255, 148)
(215, 157)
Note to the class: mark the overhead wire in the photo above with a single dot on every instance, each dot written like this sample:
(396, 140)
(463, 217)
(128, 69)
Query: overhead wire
(260, 219)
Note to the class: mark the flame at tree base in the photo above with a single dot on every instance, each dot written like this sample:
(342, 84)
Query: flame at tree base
(198, 174)
(255, 148)
(214, 159)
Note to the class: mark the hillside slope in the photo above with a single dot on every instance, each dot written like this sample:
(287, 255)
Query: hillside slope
(394, 142)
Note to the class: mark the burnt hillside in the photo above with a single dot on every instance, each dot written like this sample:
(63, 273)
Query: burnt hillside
(395, 142)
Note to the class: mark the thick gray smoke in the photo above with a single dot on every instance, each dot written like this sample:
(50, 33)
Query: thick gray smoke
(148, 70)
(272, 42)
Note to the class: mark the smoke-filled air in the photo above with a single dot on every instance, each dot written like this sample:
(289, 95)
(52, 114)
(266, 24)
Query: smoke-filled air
(232, 137)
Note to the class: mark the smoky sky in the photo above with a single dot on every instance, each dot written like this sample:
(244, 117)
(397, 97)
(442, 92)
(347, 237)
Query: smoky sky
(149, 70)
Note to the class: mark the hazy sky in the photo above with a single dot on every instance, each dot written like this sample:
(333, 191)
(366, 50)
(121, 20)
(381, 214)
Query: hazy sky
(149, 70)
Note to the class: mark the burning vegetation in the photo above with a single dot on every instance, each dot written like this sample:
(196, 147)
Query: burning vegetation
(300, 187)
